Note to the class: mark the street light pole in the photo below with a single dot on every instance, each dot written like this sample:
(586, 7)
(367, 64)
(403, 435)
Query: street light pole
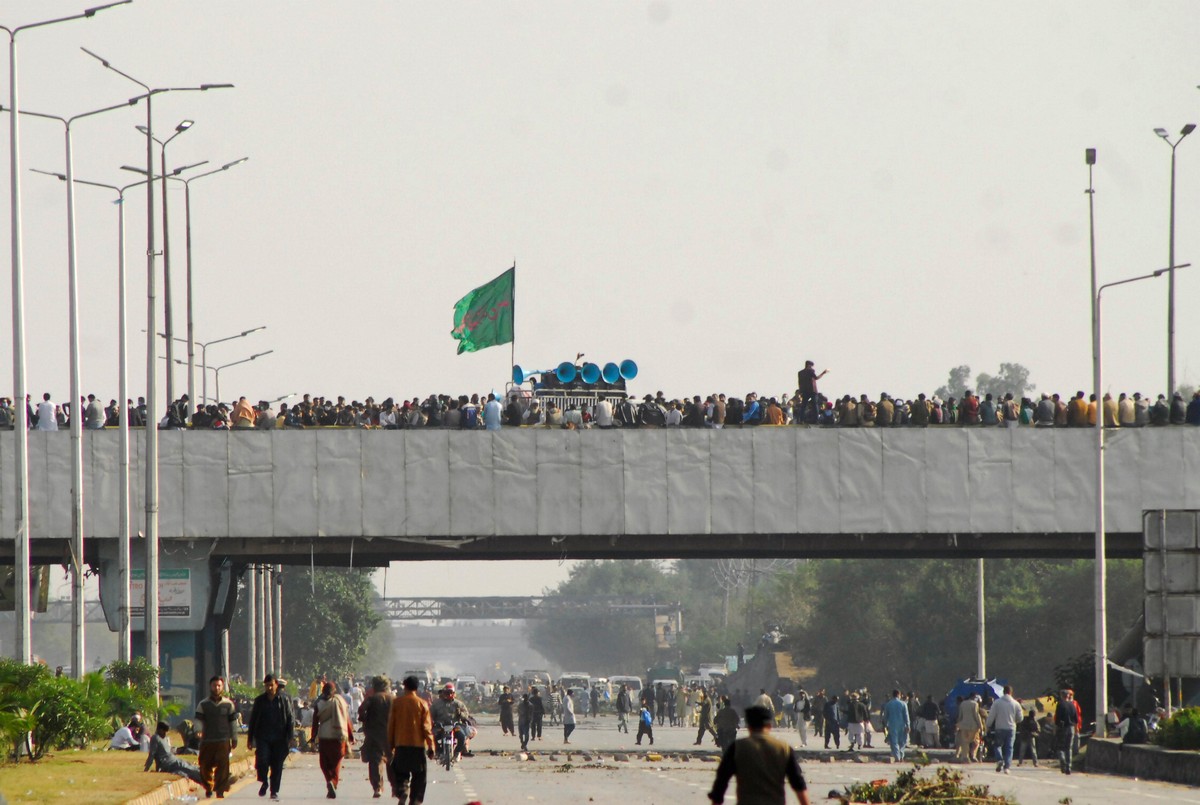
(78, 614)
(1101, 559)
(183, 126)
(24, 636)
(124, 641)
(1185, 131)
(187, 207)
(150, 620)
(217, 370)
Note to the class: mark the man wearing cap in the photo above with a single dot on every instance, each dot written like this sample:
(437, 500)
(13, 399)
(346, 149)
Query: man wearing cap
(447, 710)
(761, 764)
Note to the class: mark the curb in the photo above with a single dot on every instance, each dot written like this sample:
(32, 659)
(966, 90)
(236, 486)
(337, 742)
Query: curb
(183, 787)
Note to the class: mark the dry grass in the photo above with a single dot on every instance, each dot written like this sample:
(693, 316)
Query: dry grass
(85, 777)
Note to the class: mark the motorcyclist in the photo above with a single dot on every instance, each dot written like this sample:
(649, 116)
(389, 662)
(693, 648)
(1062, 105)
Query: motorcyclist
(446, 709)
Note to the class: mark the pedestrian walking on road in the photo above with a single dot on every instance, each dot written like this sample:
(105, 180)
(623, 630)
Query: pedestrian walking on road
(270, 728)
(761, 764)
(706, 720)
(331, 731)
(1066, 725)
(524, 716)
(568, 715)
(216, 723)
(539, 713)
(895, 716)
(410, 733)
(1027, 732)
(830, 720)
(727, 723)
(505, 702)
(645, 724)
(376, 749)
(624, 707)
(1004, 716)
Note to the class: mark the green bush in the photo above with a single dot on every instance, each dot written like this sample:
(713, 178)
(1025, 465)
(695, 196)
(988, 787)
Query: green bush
(70, 712)
(1181, 730)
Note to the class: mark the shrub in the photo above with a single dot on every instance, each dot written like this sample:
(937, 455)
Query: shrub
(70, 712)
(1181, 730)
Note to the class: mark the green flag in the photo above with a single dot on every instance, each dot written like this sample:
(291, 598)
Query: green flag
(484, 317)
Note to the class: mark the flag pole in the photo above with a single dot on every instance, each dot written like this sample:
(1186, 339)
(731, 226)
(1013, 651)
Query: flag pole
(512, 353)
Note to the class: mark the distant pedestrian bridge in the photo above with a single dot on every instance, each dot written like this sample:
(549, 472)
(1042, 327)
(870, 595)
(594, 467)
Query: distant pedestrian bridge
(369, 497)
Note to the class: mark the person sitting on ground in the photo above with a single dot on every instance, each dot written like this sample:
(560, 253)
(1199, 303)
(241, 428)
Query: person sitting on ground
(123, 739)
(161, 756)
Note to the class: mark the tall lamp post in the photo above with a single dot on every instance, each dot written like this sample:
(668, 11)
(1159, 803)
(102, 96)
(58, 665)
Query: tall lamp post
(124, 640)
(216, 370)
(24, 638)
(1101, 567)
(1185, 131)
(150, 621)
(183, 126)
(187, 214)
(78, 656)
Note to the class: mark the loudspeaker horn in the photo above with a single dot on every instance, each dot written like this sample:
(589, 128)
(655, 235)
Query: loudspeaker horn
(521, 376)
(611, 373)
(628, 369)
(566, 372)
(590, 373)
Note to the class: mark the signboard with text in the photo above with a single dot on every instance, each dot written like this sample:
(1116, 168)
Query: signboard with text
(174, 592)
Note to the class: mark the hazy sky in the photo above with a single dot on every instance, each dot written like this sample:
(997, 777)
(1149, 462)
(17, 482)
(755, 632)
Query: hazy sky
(716, 190)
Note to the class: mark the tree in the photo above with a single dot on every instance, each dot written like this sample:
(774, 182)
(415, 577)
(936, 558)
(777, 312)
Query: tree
(958, 382)
(610, 643)
(327, 623)
(1012, 377)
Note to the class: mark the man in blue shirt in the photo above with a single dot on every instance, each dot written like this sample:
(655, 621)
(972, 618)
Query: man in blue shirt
(492, 413)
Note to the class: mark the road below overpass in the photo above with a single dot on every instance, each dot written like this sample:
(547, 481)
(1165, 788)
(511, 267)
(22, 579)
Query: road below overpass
(502, 779)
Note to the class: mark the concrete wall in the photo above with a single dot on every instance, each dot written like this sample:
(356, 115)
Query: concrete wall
(1144, 762)
(763, 480)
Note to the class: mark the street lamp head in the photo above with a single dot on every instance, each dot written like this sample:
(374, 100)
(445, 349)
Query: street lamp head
(59, 176)
(229, 165)
(1090, 156)
(135, 170)
(184, 125)
(1188, 129)
(1161, 133)
(206, 87)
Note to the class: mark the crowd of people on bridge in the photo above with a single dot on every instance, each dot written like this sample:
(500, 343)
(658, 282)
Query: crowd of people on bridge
(521, 407)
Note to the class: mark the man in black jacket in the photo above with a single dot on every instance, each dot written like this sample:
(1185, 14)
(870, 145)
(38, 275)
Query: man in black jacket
(271, 725)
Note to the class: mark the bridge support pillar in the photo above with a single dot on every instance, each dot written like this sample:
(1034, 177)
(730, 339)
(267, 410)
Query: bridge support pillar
(196, 602)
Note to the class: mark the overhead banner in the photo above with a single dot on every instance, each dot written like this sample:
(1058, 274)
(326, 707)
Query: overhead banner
(174, 593)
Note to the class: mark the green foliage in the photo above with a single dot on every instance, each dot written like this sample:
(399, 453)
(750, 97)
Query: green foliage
(613, 644)
(907, 623)
(71, 712)
(139, 675)
(1181, 730)
(327, 621)
(946, 787)
(1011, 377)
(958, 382)
(40, 712)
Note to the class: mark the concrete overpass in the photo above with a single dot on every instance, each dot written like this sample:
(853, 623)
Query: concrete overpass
(329, 496)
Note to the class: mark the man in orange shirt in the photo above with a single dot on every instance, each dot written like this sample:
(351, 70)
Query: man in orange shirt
(411, 734)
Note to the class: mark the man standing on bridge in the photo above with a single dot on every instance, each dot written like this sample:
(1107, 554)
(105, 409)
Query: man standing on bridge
(761, 764)
(806, 382)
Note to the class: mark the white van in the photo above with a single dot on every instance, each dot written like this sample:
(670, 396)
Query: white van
(634, 683)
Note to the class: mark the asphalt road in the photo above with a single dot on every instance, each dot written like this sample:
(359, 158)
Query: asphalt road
(496, 775)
